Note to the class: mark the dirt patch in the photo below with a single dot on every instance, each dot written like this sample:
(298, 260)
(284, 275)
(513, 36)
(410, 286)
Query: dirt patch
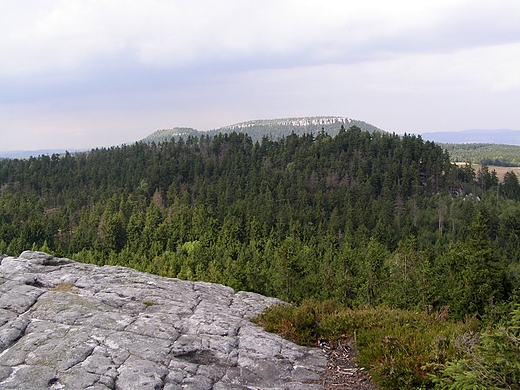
(342, 372)
(65, 287)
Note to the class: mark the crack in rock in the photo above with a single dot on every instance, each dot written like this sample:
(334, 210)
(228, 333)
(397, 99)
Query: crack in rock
(117, 328)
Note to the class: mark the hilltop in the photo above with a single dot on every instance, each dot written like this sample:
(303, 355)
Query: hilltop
(272, 128)
(490, 147)
(164, 135)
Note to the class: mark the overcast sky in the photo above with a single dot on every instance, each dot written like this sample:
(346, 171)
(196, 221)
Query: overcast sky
(87, 73)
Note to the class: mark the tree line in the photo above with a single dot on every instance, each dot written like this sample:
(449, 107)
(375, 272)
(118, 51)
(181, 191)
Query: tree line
(489, 154)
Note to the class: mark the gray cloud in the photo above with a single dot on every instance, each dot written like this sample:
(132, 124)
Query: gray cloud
(117, 67)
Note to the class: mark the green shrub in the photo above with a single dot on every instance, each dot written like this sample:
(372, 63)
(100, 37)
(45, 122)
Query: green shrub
(299, 324)
(404, 349)
(493, 364)
(401, 349)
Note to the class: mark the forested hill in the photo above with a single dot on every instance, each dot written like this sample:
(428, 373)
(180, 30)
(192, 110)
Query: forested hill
(277, 128)
(272, 128)
(360, 220)
(360, 217)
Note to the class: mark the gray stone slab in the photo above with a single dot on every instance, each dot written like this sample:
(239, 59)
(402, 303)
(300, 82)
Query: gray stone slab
(67, 325)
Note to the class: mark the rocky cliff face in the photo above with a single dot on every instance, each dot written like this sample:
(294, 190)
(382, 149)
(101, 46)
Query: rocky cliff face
(67, 325)
(295, 122)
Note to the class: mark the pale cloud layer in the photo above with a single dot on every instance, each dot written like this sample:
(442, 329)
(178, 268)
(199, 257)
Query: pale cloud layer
(85, 73)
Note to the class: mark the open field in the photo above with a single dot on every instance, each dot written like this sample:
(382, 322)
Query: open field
(501, 171)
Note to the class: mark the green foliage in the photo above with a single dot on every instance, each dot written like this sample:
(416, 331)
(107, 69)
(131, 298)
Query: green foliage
(352, 217)
(309, 216)
(511, 186)
(401, 349)
(296, 323)
(494, 363)
(373, 273)
(489, 154)
(409, 277)
(474, 274)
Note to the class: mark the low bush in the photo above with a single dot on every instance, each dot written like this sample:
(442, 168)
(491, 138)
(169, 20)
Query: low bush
(494, 363)
(401, 349)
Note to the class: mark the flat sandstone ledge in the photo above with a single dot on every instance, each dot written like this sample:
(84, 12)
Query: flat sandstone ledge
(68, 325)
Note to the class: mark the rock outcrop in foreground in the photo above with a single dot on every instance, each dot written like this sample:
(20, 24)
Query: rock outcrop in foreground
(67, 325)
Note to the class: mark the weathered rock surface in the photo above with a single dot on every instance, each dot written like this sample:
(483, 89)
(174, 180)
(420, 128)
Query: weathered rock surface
(67, 325)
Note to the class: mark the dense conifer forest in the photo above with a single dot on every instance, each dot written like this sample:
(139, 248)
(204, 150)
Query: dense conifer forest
(362, 220)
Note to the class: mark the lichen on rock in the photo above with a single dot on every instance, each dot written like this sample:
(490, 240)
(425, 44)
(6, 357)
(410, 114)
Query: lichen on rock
(67, 325)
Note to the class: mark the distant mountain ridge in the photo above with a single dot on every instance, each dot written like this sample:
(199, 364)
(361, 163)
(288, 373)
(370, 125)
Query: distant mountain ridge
(475, 136)
(500, 147)
(277, 128)
(274, 128)
(295, 122)
(256, 129)
(36, 153)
